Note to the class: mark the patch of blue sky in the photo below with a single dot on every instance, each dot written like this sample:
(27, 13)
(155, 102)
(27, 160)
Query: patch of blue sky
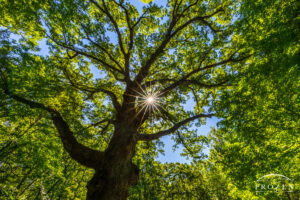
(173, 154)
(44, 48)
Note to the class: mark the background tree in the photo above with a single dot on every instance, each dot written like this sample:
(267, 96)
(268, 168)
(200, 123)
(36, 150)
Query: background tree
(260, 131)
(180, 181)
(153, 63)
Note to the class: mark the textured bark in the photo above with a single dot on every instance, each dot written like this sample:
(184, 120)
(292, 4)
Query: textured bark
(112, 182)
(116, 174)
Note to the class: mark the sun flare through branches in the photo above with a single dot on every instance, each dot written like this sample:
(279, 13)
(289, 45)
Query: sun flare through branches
(148, 100)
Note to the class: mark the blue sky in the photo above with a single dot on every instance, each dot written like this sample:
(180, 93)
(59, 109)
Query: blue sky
(170, 155)
(174, 156)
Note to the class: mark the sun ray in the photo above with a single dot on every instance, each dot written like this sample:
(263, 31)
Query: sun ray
(139, 92)
(145, 112)
(156, 108)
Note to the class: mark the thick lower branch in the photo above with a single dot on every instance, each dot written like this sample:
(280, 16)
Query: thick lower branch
(82, 154)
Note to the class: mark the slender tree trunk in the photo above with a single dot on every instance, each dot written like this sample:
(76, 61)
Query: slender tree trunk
(113, 179)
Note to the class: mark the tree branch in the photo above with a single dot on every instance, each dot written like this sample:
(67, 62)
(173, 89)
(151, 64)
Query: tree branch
(98, 123)
(199, 18)
(149, 137)
(112, 20)
(139, 19)
(145, 69)
(87, 55)
(188, 7)
(131, 40)
(130, 28)
(102, 48)
(184, 79)
(187, 82)
(82, 154)
(176, 8)
(192, 153)
(168, 36)
(92, 90)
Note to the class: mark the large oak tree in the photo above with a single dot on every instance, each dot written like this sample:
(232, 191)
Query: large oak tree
(116, 76)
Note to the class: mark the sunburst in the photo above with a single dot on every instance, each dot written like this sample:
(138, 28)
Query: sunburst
(148, 100)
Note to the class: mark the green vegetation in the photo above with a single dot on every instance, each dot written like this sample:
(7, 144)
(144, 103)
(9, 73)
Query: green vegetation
(84, 119)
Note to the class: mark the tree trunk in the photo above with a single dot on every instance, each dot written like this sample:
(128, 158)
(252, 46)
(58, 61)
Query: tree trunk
(112, 183)
(113, 179)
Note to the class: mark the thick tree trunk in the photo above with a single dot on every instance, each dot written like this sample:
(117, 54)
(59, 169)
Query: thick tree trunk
(112, 183)
(113, 179)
